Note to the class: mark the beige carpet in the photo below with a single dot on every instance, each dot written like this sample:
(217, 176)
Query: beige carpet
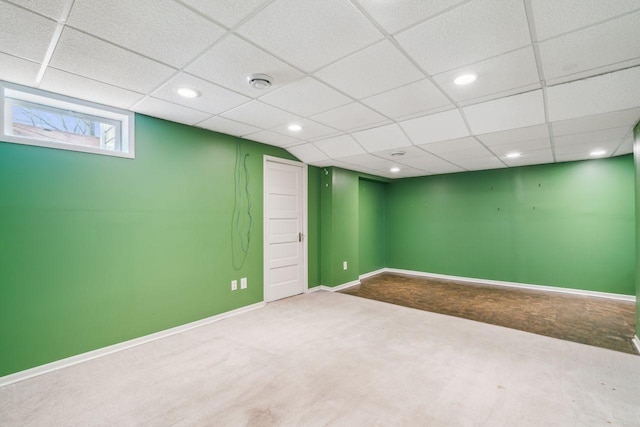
(334, 359)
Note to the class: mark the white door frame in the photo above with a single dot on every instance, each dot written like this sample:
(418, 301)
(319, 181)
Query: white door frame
(265, 210)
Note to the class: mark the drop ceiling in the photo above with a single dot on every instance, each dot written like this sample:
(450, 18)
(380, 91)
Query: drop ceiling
(557, 79)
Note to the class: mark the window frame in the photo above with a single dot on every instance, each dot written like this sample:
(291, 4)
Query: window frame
(11, 93)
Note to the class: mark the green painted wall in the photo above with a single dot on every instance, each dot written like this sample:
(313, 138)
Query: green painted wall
(636, 153)
(371, 223)
(340, 215)
(569, 225)
(313, 226)
(97, 250)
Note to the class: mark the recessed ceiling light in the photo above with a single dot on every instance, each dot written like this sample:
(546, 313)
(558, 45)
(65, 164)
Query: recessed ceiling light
(598, 153)
(465, 79)
(259, 81)
(395, 169)
(513, 155)
(295, 128)
(187, 92)
(398, 154)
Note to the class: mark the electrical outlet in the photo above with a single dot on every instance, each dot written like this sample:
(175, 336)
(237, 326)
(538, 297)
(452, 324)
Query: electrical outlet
(234, 285)
(243, 283)
(344, 265)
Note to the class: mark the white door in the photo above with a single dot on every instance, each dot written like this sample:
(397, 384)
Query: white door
(284, 228)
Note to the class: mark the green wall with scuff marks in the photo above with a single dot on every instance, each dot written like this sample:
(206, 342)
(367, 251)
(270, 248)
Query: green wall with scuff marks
(568, 225)
(96, 250)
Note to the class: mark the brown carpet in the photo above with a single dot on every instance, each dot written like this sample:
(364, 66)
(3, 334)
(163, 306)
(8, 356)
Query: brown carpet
(600, 322)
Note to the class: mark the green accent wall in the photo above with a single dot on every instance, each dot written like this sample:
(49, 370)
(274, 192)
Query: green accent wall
(97, 250)
(339, 222)
(371, 225)
(568, 225)
(636, 154)
(313, 226)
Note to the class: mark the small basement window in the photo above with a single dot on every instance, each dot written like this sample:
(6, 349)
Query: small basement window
(35, 117)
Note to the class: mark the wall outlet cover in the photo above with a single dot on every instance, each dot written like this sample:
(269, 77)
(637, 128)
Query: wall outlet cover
(234, 285)
(344, 265)
(243, 283)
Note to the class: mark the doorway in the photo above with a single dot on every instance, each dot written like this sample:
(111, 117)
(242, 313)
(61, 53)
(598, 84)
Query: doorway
(285, 228)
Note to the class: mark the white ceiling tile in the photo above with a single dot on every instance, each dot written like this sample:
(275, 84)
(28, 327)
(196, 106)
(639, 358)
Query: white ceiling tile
(602, 94)
(13, 22)
(410, 99)
(310, 130)
(81, 87)
(368, 161)
(605, 44)
(626, 147)
(404, 172)
(472, 32)
(444, 147)
(553, 17)
(522, 110)
(160, 29)
(584, 149)
(534, 157)
(409, 151)
(394, 16)
(593, 136)
(597, 122)
(228, 13)
(309, 33)
(307, 153)
(436, 127)
(257, 114)
(84, 55)
(232, 60)
(521, 147)
(515, 135)
(306, 97)
(213, 99)
(350, 116)
(50, 8)
(353, 167)
(590, 73)
(340, 146)
(273, 138)
(431, 163)
(376, 69)
(506, 72)
(169, 111)
(17, 70)
(382, 138)
(478, 152)
(478, 163)
(230, 127)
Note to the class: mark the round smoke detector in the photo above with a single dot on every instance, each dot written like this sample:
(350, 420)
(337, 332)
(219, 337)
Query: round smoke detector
(259, 81)
(398, 154)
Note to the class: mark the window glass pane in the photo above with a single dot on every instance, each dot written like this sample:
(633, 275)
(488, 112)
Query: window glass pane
(36, 121)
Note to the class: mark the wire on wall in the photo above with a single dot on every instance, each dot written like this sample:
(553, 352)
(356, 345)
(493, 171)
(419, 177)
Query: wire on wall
(242, 221)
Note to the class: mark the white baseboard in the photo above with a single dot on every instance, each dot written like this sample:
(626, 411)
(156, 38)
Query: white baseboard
(636, 342)
(372, 273)
(74, 360)
(513, 284)
(334, 288)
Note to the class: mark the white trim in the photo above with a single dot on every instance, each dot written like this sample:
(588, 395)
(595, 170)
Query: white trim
(305, 223)
(371, 273)
(472, 281)
(80, 358)
(636, 342)
(335, 288)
